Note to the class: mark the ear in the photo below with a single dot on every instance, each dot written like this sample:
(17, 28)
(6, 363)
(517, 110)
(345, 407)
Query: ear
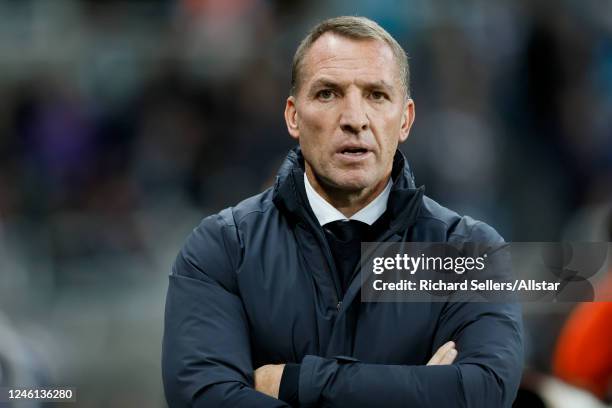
(407, 120)
(291, 118)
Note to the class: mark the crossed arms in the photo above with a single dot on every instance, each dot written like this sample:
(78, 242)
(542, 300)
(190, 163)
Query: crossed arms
(207, 358)
(268, 377)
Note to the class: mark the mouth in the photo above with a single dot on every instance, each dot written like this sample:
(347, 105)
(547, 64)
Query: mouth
(353, 153)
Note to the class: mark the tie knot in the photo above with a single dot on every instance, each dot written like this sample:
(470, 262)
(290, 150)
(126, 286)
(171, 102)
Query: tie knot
(347, 230)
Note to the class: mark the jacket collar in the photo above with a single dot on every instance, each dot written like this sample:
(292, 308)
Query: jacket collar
(290, 195)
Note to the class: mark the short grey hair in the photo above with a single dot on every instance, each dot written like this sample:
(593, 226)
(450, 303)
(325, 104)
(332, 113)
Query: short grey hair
(358, 28)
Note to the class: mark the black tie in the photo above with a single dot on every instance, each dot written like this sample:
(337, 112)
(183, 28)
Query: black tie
(344, 239)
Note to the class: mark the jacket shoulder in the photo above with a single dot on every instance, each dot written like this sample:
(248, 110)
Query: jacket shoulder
(214, 248)
(257, 204)
(448, 225)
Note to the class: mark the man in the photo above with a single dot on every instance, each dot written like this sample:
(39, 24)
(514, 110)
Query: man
(263, 306)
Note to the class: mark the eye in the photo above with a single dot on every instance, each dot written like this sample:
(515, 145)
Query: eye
(325, 94)
(378, 96)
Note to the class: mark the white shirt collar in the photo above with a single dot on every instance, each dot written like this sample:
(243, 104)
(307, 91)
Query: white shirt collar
(326, 213)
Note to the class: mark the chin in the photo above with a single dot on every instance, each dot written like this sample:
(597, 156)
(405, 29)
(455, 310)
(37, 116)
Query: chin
(352, 183)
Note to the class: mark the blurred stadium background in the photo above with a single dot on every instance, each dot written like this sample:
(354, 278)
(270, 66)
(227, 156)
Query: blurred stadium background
(123, 123)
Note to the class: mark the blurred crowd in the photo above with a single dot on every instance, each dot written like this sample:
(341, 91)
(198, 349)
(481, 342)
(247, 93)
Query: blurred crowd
(123, 123)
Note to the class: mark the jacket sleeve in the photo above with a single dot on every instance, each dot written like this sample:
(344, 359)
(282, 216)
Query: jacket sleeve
(206, 357)
(486, 372)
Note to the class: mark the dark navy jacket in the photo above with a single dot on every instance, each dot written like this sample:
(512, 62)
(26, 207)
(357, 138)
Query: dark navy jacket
(254, 285)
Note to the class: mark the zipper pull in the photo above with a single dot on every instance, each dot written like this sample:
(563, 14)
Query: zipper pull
(339, 305)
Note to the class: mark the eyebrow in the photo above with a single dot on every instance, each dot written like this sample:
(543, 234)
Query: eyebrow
(324, 83)
(329, 83)
(382, 84)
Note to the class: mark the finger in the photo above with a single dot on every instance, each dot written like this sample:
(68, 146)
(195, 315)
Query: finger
(440, 353)
(449, 357)
(258, 376)
(435, 359)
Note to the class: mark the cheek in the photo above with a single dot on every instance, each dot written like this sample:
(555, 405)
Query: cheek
(305, 124)
(316, 129)
(388, 152)
(316, 120)
(310, 138)
(389, 131)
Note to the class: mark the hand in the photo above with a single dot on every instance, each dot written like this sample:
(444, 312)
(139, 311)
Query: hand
(268, 378)
(445, 355)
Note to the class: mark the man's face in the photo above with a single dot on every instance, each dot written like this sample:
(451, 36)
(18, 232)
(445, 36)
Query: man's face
(349, 113)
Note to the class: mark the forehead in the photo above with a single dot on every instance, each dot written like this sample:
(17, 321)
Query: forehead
(335, 56)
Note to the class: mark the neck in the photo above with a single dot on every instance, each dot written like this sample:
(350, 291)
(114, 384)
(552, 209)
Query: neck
(348, 202)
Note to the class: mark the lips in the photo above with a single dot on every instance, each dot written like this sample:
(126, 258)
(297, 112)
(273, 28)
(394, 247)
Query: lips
(353, 148)
(353, 152)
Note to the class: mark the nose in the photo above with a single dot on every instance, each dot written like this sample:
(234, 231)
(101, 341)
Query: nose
(353, 118)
